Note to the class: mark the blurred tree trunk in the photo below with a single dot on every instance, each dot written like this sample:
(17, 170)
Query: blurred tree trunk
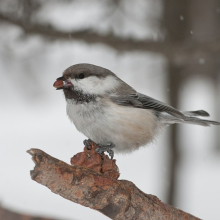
(206, 26)
(193, 20)
(177, 29)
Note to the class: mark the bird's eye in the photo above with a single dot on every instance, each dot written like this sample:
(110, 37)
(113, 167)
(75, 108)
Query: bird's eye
(81, 76)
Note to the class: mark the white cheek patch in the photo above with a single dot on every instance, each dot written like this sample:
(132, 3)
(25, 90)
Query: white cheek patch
(95, 85)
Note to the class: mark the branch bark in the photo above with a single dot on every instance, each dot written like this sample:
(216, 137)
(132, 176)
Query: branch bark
(117, 199)
(177, 52)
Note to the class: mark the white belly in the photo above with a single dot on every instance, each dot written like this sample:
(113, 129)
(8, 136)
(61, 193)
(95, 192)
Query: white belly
(127, 127)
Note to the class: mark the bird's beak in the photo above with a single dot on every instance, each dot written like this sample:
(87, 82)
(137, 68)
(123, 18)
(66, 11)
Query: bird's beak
(62, 83)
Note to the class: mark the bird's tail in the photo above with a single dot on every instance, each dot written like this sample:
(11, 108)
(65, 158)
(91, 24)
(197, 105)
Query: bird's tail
(191, 117)
(199, 121)
(196, 113)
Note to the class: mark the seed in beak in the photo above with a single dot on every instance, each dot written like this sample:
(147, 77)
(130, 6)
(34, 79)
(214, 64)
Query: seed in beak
(58, 84)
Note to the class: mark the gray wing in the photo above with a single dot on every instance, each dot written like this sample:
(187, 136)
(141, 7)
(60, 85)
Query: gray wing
(139, 100)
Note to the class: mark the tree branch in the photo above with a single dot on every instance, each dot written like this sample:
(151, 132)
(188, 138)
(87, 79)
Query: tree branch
(177, 52)
(117, 199)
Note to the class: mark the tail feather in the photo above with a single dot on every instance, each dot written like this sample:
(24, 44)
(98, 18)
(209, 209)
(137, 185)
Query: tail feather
(198, 121)
(190, 118)
(196, 113)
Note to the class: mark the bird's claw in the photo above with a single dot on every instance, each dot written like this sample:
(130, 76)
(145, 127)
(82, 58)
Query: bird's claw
(87, 143)
(102, 148)
(111, 153)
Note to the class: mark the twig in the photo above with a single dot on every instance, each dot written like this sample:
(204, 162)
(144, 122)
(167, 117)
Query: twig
(177, 52)
(117, 199)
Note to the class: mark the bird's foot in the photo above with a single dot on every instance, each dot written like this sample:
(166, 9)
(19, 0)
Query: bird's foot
(101, 148)
(87, 143)
(108, 147)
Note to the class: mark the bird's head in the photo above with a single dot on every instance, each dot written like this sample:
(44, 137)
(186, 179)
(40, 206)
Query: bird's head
(87, 79)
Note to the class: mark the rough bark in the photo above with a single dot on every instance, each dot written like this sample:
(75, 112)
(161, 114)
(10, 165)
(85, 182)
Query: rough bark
(117, 199)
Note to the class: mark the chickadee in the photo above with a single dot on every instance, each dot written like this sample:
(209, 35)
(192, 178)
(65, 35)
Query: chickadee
(112, 114)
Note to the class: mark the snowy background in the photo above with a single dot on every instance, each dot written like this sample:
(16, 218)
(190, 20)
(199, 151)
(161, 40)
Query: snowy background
(33, 112)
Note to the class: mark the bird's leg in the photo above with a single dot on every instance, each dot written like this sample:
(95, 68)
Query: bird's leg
(101, 148)
(108, 147)
(87, 143)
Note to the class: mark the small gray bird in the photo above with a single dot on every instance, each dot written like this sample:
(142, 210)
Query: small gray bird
(112, 114)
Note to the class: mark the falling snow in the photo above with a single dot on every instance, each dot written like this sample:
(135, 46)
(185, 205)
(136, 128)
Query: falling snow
(201, 61)
(181, 18)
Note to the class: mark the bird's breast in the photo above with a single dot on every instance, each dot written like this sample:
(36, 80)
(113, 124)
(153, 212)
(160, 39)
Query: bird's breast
(103, 122)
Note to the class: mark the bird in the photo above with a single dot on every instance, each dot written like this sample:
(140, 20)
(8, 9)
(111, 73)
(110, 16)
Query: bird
(112, 114)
